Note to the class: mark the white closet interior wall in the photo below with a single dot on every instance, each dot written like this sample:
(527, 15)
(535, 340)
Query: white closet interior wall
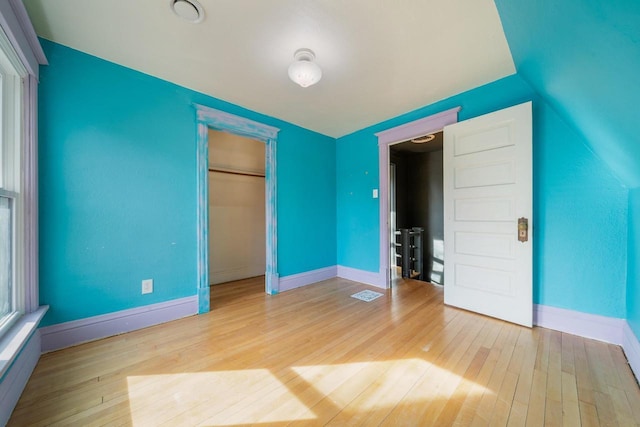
(236, 207)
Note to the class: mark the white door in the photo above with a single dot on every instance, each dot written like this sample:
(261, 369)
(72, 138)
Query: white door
(487, 188)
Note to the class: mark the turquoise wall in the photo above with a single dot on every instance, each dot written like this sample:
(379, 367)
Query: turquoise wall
(633, 269)
(580, 208)
(583, 56)
(581, 218)
(118, 188)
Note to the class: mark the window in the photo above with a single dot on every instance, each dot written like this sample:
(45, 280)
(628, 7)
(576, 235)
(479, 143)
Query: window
(12, 287)
(6, 231)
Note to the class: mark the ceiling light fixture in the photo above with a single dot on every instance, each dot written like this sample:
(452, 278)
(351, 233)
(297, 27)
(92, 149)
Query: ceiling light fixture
(423, 139)
(190, 10)
(303, 70)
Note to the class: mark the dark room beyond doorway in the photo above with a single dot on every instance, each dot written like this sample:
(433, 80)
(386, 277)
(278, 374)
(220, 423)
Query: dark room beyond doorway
(418, 189)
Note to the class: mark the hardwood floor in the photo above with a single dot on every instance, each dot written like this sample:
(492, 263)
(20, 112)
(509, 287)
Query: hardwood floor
(315, 356)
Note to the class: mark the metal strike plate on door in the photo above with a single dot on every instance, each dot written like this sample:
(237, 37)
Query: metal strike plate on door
(523, 229)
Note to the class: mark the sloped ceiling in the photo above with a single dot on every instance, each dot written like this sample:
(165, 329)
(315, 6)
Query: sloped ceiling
(583, 56)
(379, 58)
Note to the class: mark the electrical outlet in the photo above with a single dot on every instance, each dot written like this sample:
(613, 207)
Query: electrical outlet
(147, 286)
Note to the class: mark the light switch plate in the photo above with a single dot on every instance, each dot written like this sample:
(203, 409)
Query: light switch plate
(375, 193)
(147, 286)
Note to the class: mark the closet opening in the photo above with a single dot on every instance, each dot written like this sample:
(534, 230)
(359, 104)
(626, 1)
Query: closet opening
(210, 119)
(236, 200)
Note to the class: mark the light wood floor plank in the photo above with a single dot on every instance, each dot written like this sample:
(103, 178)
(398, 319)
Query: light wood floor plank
(621, 407)
(438, 387)
(570, 406)
(588, 415)
(485, 410)
(424, 388)
(504, 400)
(517, 414)
(525, 375)
(479, 387)
(453, 405)
(583, 373)
(538, 394)
(316, 356)
(604, 406)
(568, 359)
(554, 369)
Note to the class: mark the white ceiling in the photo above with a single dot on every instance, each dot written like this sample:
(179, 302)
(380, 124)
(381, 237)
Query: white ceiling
(379, 58)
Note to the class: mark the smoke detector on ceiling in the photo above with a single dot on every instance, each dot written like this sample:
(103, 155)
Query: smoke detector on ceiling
(190, 10)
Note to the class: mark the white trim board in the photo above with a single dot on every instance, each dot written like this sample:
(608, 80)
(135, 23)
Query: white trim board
(13, 341)
(294, 281)
(362, 276)
(309, 277)
(14, 21)
(303, 279)
(20, 352)
(76, 332)
(601, 328)
(16, 377)
(608, 329)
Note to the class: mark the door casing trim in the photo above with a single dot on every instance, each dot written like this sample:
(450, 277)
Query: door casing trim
(210, 118)
(386, 138)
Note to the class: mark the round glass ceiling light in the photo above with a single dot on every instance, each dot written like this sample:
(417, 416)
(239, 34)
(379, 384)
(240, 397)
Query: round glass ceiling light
(303, 70)
(189, 10)
(423, 139)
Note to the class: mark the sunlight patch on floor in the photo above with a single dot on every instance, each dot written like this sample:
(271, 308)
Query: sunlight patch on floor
(384, 383)
(212, 398)
(259, 396)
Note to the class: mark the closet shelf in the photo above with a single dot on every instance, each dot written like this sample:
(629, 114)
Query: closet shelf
(236, 172)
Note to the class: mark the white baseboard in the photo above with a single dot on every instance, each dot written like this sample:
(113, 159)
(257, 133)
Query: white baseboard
(293, 281)
(601, 328)
(608, 329)
(367, 277)
(76, 332)
(16, 377)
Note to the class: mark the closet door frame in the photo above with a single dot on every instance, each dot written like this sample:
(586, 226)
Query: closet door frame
(210, 118)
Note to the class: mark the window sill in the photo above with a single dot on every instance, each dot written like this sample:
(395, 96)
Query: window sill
(12, 343)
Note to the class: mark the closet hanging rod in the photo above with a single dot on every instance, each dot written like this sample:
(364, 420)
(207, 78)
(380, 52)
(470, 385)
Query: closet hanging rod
(232, 172)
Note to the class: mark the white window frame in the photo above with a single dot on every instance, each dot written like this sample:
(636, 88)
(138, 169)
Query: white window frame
(12, 75)
(17, 309)
(19, 182)
(20, 344)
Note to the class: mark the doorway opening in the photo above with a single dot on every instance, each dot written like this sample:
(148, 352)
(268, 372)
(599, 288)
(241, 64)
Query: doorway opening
(207, 119)
(386, 139)
(416, 215)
